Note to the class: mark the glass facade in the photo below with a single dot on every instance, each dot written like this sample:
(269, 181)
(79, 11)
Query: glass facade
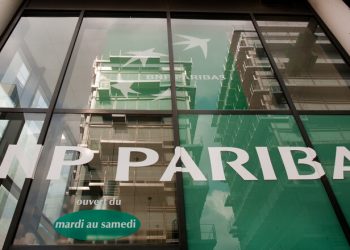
(92, 186)
(225, 66)
(315, 73)
(169, 131)
(119, 63)
(32, 59)
(327, 132)
(254, 214)
(22, 130)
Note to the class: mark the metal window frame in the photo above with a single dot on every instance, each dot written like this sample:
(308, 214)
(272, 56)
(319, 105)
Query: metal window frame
(324, 179)
(174, 112)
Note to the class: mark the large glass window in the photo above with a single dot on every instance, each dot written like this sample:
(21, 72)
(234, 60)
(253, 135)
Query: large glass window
(92, 186)
(253, 214)
(328, 132)
(220, 64)
(23, 131)
(119, 63)
(31, 60)
(316, 75)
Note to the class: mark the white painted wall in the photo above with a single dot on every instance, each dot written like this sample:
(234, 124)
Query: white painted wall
(336, 15)
(7, 10)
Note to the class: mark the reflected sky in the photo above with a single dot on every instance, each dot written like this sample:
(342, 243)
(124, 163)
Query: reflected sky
(214, 205)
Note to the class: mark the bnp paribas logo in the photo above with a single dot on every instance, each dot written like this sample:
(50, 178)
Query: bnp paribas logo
(143, 56)
(191, 42)
(124, 86)
(194, 42)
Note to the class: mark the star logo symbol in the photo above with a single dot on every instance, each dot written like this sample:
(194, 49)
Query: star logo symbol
(193, 42)
(164, 95)
(143, 56)
(124, 86)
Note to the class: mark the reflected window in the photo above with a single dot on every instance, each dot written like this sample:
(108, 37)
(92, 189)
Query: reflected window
(31, 60)
(315, 74)
(7, 207)
(22, 130)
(251, 214)
(328, 132)
(93, 186)
(119, 63)
(220, 64)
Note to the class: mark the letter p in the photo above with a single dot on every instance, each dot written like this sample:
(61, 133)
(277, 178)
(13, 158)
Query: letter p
(124, 162)
(58, 161)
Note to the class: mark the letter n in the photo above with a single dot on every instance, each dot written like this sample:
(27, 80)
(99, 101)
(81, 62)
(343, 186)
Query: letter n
(27, 160)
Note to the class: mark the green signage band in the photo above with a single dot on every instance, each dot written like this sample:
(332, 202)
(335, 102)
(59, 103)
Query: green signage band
(97, 225)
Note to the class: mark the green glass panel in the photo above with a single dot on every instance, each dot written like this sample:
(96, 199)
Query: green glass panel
(259, 214)
(220, 64)
(119, 63)
(326, 133)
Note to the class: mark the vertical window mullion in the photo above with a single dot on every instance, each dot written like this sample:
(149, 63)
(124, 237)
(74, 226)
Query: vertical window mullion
(179, 181)
(27, 183)
(325, 182)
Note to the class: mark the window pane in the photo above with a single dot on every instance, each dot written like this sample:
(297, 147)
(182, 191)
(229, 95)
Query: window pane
(119, 63)
(31, 60)
(316, 75)
(7, 208)
(327, 133)
(222, 65)
(22, 131)
(253, 214)
(92, 186)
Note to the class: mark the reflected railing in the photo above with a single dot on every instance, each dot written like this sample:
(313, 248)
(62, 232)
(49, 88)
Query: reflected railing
(208, 232)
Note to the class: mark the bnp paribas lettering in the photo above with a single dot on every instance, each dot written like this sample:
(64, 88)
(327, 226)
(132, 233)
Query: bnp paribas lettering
(125, 162)
(204, 77)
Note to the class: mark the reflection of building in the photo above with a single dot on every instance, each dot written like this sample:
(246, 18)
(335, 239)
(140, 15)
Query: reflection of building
(25, 78)
(143, 195)
(265, 206)
(23, 130)
(122, 83)
(200, 236)
(46, 63)
(185, 93)
(249, 79)
(314, 71)
(126, 82)
(257, 197)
